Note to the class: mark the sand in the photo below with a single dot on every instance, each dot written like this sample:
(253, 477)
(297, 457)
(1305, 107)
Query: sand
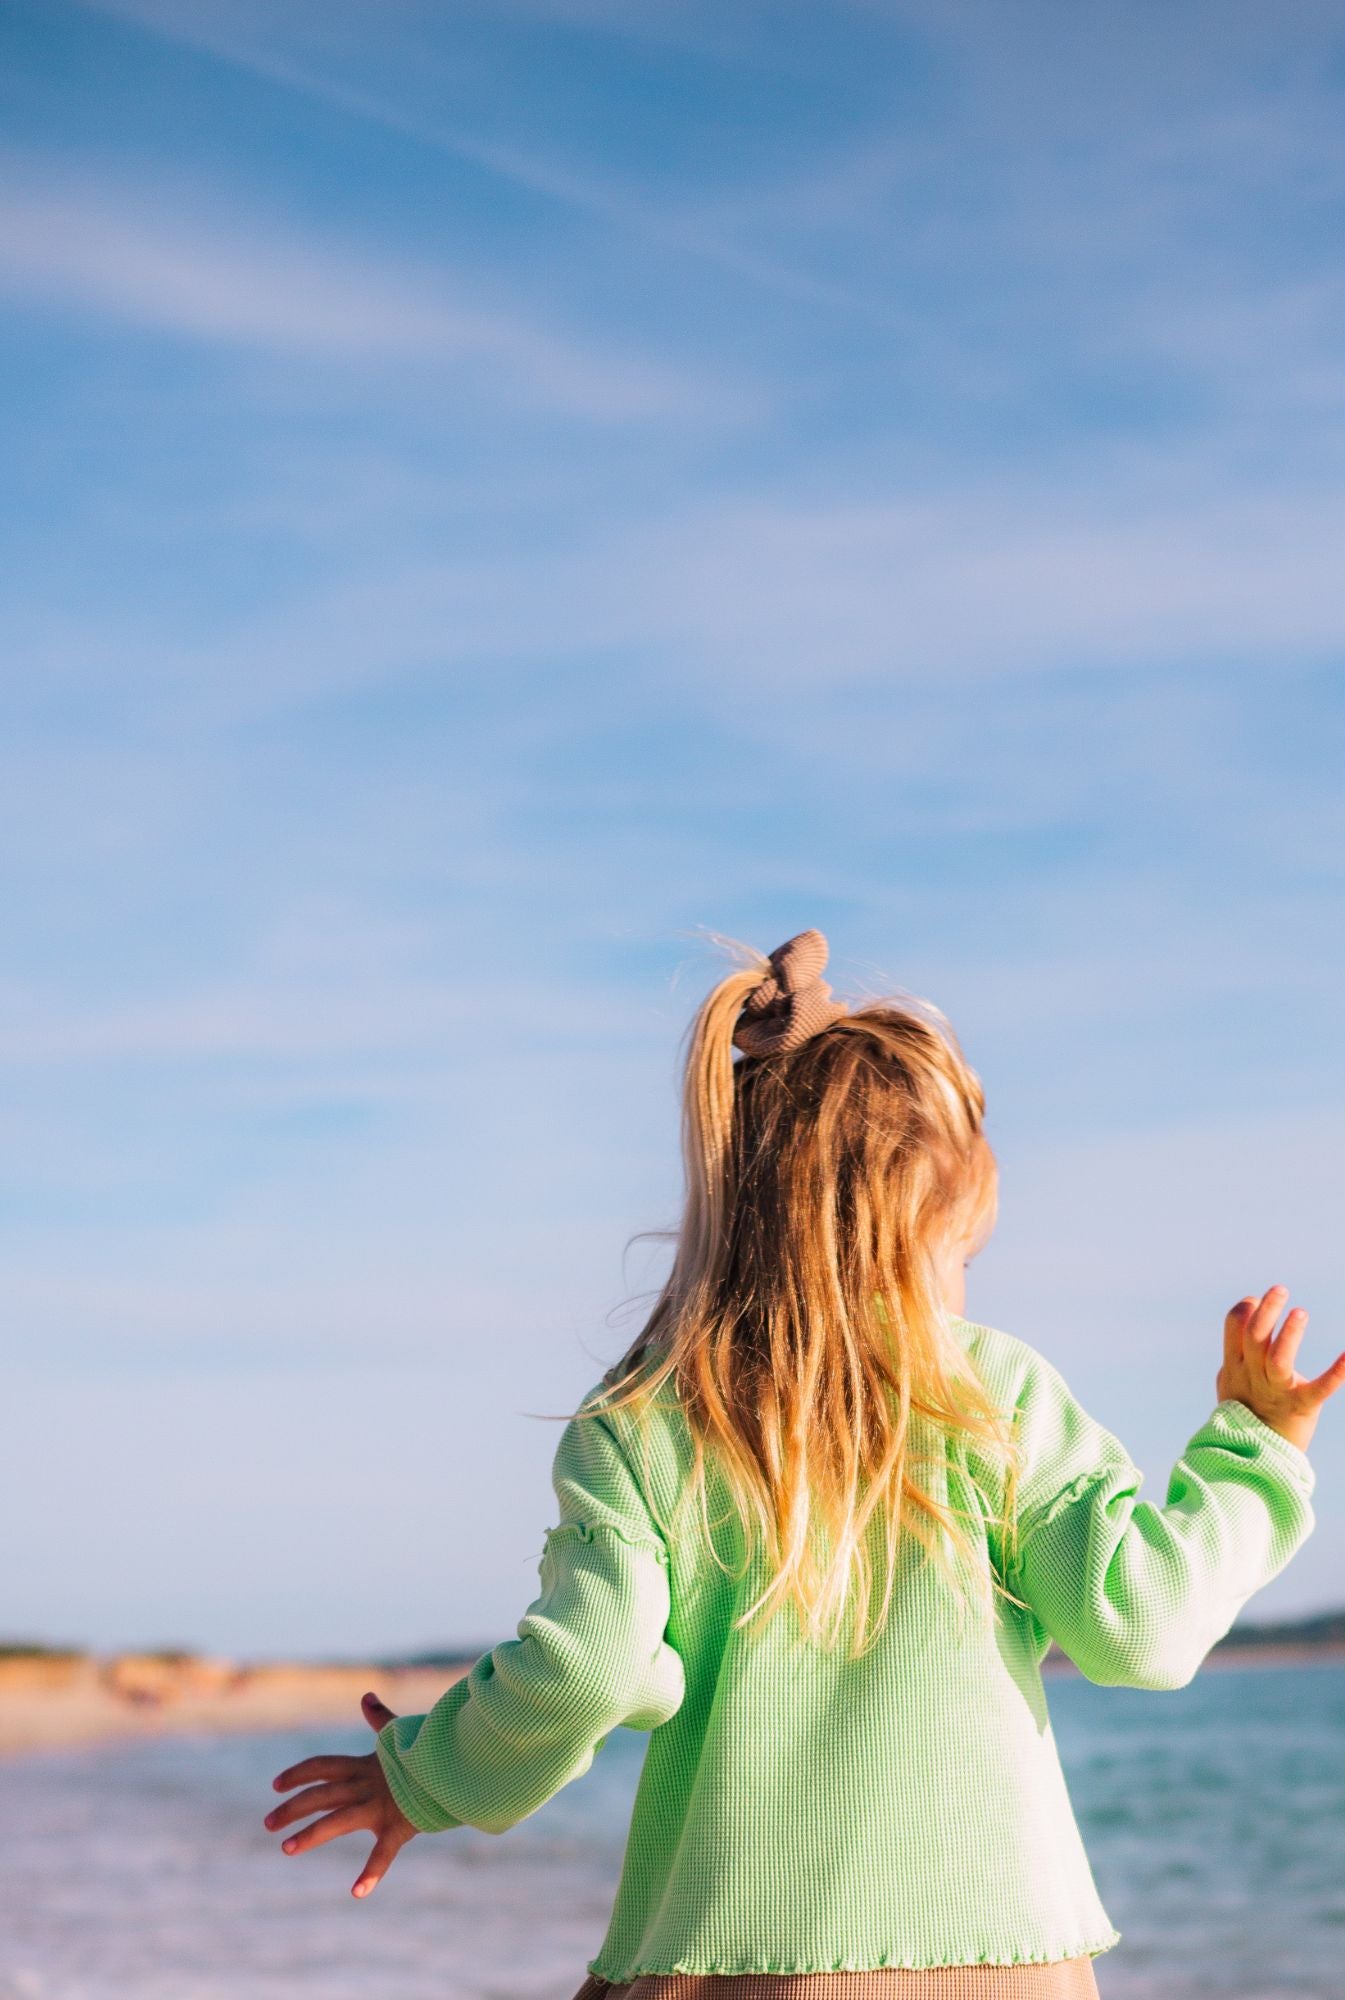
(49, 1703)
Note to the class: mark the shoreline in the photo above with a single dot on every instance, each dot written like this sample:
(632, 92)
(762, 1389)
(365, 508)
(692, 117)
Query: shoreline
(1225, 1657)
(54, 1703)
(69, 1704)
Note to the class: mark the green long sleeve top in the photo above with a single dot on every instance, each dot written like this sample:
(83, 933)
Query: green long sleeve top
(800, 1811)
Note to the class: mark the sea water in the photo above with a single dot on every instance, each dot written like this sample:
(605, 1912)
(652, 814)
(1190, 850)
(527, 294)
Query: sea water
(1214, 1816)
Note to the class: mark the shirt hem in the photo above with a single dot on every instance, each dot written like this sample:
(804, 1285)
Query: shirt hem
(887, 1962)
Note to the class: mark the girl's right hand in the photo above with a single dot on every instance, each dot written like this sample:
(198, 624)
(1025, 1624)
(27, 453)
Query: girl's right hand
(1259, 1371)
(351, 1793)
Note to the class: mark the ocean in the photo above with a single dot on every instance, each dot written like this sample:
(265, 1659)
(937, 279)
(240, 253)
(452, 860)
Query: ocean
(1214, 1816)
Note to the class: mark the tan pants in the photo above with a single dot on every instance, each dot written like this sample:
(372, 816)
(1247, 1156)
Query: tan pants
(1058, 1979)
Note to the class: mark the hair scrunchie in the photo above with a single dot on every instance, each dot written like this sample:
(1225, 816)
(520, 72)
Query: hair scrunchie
(792, 1003)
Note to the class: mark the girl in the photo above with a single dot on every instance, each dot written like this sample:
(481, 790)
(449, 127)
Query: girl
(816, 1532)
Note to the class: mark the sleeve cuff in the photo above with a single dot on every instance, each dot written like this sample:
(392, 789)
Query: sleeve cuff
(1275, 1446)
(424, 1813)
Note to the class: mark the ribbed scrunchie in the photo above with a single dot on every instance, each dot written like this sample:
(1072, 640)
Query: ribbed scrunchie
(793, 1001)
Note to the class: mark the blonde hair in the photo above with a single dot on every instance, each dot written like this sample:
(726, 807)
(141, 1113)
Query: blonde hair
(801, 1323)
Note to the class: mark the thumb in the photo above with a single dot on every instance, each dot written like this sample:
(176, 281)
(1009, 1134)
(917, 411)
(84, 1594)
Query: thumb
(376, 1712)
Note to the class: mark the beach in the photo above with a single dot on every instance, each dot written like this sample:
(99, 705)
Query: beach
(1213, 1815)
(48, 1702)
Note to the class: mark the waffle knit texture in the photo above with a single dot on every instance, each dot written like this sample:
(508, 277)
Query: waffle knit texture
(800, 1811)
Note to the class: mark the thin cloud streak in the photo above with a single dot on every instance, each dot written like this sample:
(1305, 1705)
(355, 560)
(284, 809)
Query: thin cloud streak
(299, 1022)
(250, 286)
(550, 180)
(977, 587)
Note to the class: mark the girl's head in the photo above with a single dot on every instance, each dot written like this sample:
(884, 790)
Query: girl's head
(835, 1186)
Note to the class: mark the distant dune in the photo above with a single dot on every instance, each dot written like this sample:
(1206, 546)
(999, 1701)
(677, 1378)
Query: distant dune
(52, 1696)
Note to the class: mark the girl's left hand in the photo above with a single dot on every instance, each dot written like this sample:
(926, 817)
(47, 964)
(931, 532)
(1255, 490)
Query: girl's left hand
(357, 1792)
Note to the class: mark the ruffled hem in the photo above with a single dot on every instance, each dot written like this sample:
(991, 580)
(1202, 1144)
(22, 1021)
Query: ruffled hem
(888, 1962)
(588, 1531)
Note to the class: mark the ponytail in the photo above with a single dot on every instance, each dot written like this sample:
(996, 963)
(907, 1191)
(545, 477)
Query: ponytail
(801, 1323)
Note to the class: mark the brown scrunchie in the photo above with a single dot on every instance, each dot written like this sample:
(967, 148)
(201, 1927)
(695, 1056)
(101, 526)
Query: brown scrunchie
(793, 1001)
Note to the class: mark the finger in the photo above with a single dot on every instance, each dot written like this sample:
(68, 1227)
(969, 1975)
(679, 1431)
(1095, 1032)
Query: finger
(376, 1713)
(318, 1798)
(313, 1768)
(349, 1820)
(1235, 1322)
(1280, 1358)
(1262, 1322)
(1327, 1383)
(384, 1852)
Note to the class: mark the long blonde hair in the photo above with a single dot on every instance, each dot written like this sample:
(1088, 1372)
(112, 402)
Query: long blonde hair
(801, 1323)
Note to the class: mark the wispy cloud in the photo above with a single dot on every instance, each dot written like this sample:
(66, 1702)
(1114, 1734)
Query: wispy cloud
(697, 31)
(247, 283)
(672, 226)
(756, 594)
(368, 1025)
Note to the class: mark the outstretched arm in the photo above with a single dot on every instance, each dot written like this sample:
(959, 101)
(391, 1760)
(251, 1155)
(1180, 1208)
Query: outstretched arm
(1136, 1594)
(590, 1656)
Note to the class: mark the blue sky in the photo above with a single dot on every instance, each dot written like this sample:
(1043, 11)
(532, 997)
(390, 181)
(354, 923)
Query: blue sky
(497, 495)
